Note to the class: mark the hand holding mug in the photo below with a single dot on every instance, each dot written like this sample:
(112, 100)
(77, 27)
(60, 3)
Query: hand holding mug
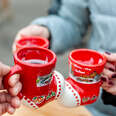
(82, 87)
(109, 73)
(9, 101)
(41, 84)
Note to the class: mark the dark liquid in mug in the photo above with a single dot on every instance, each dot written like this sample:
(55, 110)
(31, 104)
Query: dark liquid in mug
(36, 61)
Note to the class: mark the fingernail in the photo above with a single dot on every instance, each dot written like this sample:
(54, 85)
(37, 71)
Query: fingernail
(111, 69)
(114, 76)
(108, 53)
(103, 79)
(13, 80)
(18, 102)
(110, 83)
(11, 110)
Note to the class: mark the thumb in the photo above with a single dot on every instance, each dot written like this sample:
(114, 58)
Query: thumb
(4, 69)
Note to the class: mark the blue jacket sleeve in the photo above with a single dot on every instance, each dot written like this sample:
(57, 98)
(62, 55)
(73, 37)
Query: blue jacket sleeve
(68, 26)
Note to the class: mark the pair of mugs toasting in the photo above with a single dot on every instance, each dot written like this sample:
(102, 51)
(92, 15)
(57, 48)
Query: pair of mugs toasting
(41, 83)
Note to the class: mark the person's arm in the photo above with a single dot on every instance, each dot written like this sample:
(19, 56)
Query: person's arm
(68, 26)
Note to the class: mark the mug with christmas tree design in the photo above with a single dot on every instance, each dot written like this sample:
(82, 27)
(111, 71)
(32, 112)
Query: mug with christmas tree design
(41, 84)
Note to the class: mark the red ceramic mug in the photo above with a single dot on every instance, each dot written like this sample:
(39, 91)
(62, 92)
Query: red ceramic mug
(32, 41)
(83, 83)
(86, 64)
(35, 66)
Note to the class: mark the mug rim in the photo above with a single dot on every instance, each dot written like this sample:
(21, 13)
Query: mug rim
(53, 61)
(46, 45)
(86, 65)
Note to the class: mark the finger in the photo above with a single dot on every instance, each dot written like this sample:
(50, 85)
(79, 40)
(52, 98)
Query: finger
(16, 89)
(11, 110)
(21, 32)
(106, 85)
(112, 90)
(110, 57)
(34, 30)
(14, 80)
(110, 66)
(15, 102)
(5, 97)
(108, 73)
(6, 107)
(18, 37)
(1, 84)
(24, 31)
(4, 69)
(39, 31)
(104, 78)
(105, 81)
(27, 31)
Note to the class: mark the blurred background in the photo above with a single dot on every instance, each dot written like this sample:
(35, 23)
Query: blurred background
(16, 14)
